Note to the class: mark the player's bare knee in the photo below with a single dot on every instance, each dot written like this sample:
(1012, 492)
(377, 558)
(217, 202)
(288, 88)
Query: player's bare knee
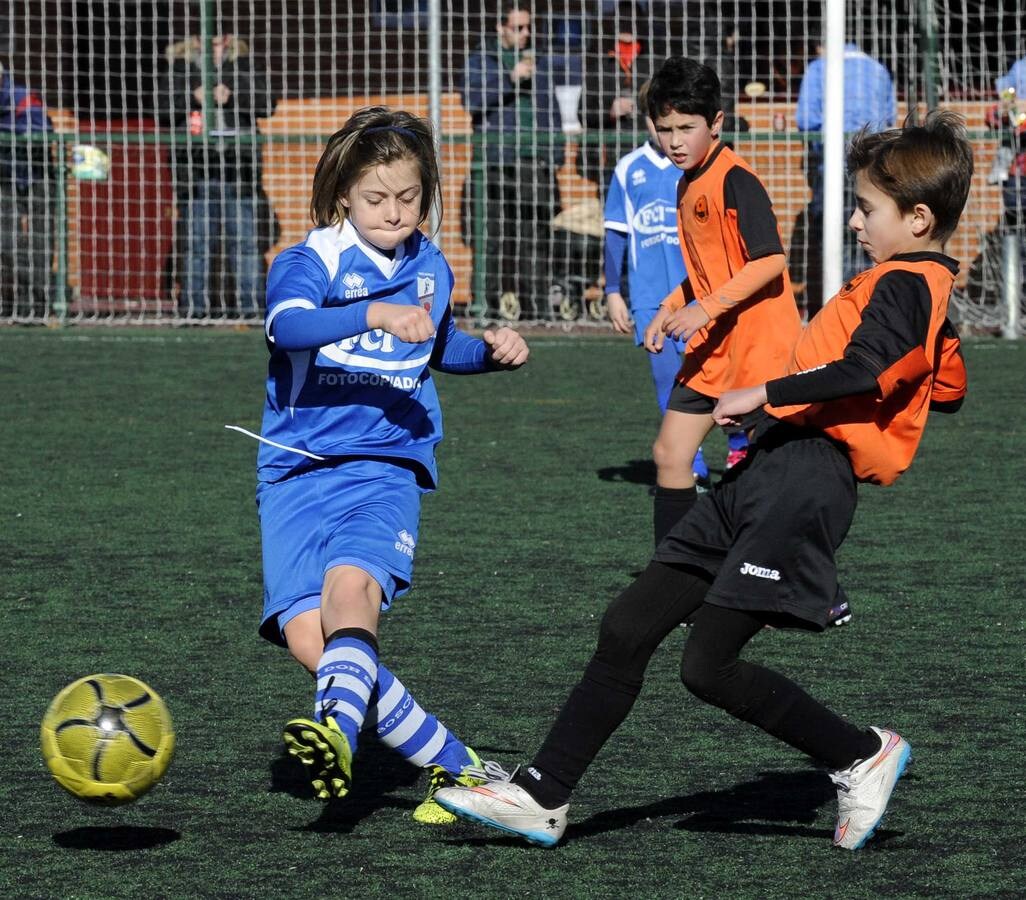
(660, 454)
(351, 597)
(304, 638)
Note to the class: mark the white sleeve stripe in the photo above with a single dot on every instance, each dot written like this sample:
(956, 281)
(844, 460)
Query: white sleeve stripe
(294, 303)
(616, 226)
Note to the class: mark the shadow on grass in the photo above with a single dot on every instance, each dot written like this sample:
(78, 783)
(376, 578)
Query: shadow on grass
(115, 837)
(774, 803)
(641, 471)
(636, 471)
(377, 772)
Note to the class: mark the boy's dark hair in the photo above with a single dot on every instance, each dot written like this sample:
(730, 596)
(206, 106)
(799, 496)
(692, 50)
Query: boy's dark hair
(685, 86)
(373, 136)
(930, 163)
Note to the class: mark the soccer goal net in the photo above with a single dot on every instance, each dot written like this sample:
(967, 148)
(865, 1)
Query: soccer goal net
(156, 156)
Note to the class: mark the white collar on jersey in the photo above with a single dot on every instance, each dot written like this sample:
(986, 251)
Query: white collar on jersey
(387, 267)
(657, 159)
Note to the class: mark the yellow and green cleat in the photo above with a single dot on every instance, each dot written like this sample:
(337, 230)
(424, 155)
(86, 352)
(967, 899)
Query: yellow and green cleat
(428, 812)
(325, 750)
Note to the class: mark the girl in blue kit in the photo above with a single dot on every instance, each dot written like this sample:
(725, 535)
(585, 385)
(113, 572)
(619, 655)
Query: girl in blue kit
(358, 316)
(640, 220)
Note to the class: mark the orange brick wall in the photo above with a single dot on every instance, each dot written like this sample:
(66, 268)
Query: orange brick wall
(301, 127)
(288, 170)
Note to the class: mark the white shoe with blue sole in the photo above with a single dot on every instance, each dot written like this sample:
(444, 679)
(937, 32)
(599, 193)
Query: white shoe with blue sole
(507, 807)
(865, 787)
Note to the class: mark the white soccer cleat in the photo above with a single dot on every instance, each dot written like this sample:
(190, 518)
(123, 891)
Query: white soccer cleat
(864, 788)
(508, 807)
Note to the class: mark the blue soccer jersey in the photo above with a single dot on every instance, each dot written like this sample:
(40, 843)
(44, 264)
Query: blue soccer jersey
(642, 203)
(370, 394)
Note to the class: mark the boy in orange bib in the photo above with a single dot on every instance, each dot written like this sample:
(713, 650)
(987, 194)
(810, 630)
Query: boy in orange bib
(736, 308)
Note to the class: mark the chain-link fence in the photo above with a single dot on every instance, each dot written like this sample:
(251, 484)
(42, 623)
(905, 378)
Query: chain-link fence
(154, 157)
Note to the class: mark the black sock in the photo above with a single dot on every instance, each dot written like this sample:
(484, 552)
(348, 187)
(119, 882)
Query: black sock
(669, 507)
(548, 791)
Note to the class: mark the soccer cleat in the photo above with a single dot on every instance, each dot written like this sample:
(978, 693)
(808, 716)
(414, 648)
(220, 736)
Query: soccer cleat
(735, 456)
(864, 788)
(840, 614)
(508, 807)
(325, 749)
(478, 772)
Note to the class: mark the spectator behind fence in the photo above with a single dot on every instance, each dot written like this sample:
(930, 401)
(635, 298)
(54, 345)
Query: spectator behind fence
(507, 90)
(217, 172)
(1008, 115)
(868, 101)
(26, 201)
(614, 73)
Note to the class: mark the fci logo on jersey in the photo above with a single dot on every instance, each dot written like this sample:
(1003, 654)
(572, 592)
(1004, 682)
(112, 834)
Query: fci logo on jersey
(702, 209)
(425, 289)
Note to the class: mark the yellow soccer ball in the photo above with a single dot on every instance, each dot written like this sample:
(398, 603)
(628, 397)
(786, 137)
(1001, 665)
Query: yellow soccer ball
(107, 738)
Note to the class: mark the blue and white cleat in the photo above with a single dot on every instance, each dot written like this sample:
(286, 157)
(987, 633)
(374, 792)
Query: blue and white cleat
(864, 788)
(508, 807)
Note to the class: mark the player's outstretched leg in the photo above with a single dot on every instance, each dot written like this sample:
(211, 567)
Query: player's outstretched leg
(534, 802)
(865, 787)
(867, 761)
(422, 740)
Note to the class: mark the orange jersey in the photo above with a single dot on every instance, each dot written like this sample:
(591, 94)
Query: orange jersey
(725, 219)
(890, 320)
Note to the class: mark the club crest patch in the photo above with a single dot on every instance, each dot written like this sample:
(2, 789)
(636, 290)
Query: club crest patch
(702, 209)
(425, 290)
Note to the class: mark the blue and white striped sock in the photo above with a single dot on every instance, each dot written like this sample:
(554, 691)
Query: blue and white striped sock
(402, 724)
(346, 674)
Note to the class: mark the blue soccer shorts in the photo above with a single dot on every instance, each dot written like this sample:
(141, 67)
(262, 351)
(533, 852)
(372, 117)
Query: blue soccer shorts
(361, 512)
(666, 364)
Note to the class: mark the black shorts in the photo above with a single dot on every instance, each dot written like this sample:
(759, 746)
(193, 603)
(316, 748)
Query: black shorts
(768, 532)
(684, 399)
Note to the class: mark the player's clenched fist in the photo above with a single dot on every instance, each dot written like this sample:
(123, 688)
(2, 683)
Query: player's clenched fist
(734, 405)
(412, 324)
(685, 322)
(507, 349)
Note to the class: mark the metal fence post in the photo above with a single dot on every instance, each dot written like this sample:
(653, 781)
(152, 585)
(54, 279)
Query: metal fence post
(1010, 288)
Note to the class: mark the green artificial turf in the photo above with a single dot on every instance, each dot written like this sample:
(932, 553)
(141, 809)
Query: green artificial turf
(129, 543)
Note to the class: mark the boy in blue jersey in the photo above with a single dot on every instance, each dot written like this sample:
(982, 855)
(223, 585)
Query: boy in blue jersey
(641, 222)
(358, 315)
